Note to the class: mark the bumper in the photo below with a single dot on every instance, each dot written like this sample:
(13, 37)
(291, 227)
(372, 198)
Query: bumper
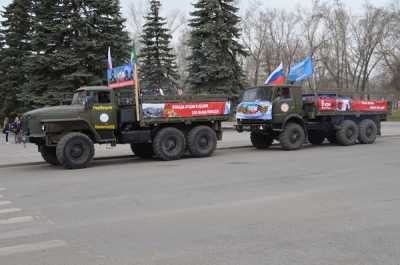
(252, 126)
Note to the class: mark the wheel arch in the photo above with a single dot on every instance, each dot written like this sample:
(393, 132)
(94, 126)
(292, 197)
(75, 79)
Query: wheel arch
(60, 128)
(295, 118)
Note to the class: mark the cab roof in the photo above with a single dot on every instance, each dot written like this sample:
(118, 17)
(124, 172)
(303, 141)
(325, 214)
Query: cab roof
(271, 86)
(94, 88)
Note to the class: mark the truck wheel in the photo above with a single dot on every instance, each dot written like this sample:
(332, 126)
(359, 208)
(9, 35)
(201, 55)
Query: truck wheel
(49, 155)
(261, 141)
(143, 150)
(75, 150)
(348, 133)
(169, 144)
(293, 137)
(202, 141)
(316, 137)
(368, 132)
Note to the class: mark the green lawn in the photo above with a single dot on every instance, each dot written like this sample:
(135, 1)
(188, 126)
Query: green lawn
(395, 116)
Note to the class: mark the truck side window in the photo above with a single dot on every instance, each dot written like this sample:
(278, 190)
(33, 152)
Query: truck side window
(125, 98)
(283, 93)
(103, 97)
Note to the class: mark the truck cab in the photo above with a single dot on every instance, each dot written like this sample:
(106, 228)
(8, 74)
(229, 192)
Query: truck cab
(269, 106)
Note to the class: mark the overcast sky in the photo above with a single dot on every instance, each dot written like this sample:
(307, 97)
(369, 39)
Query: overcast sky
(185, 5)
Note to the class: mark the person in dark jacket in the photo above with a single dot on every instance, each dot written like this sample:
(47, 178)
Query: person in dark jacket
(6, 128)
(17, 130)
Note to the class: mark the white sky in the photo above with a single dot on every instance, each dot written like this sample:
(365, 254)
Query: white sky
(185, 5)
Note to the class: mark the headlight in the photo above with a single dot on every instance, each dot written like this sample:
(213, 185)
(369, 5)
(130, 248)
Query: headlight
(43, 127)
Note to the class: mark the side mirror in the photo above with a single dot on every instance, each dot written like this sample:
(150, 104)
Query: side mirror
(89, 102)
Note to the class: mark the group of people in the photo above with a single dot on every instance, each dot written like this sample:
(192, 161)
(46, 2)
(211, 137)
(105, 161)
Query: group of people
(11, 126)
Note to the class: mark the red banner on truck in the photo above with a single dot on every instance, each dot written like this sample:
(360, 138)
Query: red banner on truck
(346, 104)
(186, 110)
(370, 105)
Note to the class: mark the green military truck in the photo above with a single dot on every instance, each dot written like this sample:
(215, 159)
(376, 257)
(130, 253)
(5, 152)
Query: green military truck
(285, 114)
(164, 128)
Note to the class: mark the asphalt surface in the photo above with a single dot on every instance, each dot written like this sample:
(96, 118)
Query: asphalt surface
(320, 205)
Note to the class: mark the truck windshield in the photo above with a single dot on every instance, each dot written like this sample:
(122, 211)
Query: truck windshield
(258, 93)
(79, 98)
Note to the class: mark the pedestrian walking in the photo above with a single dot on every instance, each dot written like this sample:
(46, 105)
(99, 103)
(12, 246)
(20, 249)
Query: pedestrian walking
(6, 128)
(17, 130)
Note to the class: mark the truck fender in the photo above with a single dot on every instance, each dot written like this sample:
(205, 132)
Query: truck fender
(297, 119)
(73, 124)
(293, 118)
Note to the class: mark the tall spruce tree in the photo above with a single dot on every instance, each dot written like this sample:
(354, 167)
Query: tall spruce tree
(213, 64)
(15, 48)
(102, 26)
(70, 40)
(45, 85)
(158, 63)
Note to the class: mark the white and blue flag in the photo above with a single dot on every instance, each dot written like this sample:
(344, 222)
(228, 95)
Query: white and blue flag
(301, 71)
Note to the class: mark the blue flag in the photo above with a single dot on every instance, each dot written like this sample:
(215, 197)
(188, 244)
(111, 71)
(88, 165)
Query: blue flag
(301, 71)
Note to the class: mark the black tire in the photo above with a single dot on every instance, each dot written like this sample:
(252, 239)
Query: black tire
(49, 155)
(202, 141)
(143, 150)
(316, 137)
(293, 137)
(368, 132)
(75, 150)
(348, 133)
(169, 144)
(261, 141)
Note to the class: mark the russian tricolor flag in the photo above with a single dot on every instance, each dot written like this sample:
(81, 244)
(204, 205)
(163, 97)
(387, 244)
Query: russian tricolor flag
(277, 77)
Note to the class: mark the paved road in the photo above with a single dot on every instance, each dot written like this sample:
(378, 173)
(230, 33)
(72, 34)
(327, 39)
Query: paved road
(321, 205)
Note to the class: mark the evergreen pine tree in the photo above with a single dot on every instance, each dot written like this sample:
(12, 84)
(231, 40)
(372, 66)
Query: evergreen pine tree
(15, 47)
(158, 63)
(102, 26)
(213, 64)
(44, 67)
(70, 40)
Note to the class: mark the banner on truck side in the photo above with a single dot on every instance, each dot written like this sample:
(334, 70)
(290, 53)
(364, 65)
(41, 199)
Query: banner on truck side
(346, 104)
(370, 105)
(186, 110)
(121, 76)
(259, 110)
(335, 104)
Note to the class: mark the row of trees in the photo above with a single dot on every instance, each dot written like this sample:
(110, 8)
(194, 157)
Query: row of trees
(355, 52)
(211, 66)
(352, 51)
(51, 47)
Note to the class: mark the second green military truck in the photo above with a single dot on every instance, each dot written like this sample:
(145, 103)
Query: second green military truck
(161, 127)
(285, 114)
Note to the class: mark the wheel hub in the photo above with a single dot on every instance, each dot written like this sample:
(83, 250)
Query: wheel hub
(295, 137)
(76, 151)
(368, 131)
(203, 142)
(350, 133)
(170, 144)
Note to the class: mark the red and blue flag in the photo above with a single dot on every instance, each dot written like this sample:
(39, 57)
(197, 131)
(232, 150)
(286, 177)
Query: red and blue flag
(277, 77)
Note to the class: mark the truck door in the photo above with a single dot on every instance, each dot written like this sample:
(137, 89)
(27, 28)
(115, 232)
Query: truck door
(103, 114)
(283, 104)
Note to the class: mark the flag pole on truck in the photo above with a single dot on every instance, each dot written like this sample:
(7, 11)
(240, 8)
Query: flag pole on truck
(109, 64)
(136, 88)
